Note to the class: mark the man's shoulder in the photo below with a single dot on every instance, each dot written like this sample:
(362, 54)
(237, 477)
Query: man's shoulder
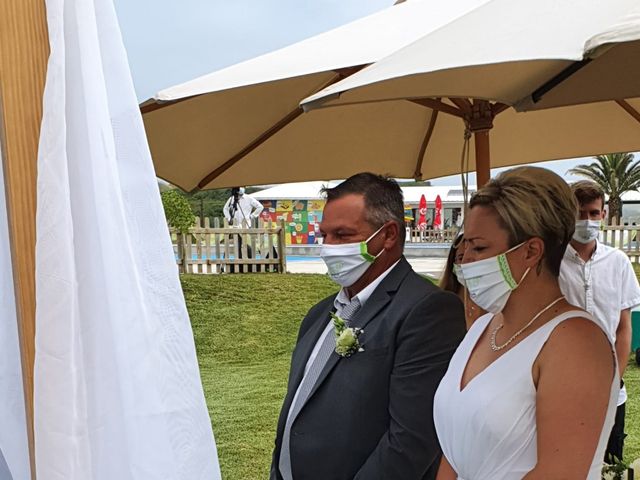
(417, 287)
(611, 257)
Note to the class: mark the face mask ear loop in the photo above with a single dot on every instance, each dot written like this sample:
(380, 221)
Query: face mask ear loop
(523, 277)
(364, 250)
(374, 234)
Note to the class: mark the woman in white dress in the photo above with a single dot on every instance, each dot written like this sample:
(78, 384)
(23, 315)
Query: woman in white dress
(530, 393)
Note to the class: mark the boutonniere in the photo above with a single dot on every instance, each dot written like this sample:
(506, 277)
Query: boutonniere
(346, 337)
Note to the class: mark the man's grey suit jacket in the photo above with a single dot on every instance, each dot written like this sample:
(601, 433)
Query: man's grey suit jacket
(369, 416)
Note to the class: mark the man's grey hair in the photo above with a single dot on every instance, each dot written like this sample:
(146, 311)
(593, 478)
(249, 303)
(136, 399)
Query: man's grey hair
(382, 198)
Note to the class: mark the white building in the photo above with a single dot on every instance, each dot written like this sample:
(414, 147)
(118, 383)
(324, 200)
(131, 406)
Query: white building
(301, 204)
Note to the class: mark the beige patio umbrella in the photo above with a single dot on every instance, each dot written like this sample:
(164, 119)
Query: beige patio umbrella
(548, 79)
(243, 125)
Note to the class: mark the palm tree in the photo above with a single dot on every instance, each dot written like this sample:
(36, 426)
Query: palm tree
(616, 173)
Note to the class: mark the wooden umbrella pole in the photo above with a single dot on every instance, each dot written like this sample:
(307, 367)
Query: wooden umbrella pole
(24, 49)
(481, 123)
(483, 156)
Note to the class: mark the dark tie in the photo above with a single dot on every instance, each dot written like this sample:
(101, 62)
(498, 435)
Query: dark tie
(309, 380)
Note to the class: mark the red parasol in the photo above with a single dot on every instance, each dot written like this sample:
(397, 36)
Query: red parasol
(437, 220)
(422, 209)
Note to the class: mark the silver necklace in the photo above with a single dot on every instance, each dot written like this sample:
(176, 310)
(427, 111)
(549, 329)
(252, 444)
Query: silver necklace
(497, 348)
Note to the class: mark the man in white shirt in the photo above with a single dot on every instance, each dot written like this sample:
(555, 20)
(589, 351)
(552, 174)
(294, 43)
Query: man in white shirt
(600, 279)
(241, 209)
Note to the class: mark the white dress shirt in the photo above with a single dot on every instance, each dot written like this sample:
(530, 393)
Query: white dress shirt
(604, 285)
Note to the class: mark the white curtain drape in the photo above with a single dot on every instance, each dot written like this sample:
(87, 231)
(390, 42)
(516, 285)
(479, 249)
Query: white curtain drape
(117, 387)
(14, 450)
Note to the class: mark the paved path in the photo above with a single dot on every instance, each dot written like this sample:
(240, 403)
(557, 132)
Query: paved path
(424, 265)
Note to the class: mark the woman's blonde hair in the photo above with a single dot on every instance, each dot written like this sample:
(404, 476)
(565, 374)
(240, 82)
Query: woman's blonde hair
(532, 202)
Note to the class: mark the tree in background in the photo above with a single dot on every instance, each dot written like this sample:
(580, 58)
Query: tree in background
(616, 173)
(177, 210)
(209, 203)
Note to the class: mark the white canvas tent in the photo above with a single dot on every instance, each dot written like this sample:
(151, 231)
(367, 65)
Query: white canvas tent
(110, 376)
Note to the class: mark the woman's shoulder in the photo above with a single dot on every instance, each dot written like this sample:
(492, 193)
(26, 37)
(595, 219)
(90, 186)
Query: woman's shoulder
(578, 333)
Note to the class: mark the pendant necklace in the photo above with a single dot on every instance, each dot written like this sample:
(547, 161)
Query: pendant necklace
(496, 348)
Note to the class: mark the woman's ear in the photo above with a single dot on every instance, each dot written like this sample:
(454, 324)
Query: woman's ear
(534, 252)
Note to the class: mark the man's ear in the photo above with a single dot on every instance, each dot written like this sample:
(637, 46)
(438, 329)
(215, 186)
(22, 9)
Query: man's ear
(604, 214)
(391, 235)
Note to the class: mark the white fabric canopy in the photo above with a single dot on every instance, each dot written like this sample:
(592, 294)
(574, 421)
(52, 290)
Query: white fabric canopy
(503, 50)
(117, 388)
(203, 132)
(13, 431)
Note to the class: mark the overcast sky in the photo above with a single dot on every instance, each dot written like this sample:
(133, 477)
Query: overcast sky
(172, 41)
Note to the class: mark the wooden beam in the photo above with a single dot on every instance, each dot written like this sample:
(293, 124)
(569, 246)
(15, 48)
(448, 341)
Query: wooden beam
(283, 122)
(340, 74)
(629, 109)
(24, 49)
(497, 108)
(437, 104)
(464, 104)
(417, 174)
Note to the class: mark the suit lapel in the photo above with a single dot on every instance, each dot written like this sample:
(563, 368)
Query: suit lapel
(380, 297)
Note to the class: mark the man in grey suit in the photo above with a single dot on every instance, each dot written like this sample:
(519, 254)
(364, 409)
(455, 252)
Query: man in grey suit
(366, 413)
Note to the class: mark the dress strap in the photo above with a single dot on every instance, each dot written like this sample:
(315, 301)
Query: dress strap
(545, 330)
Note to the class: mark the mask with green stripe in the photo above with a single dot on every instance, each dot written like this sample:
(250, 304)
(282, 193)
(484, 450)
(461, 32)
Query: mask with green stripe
(347, 262)
(490, 281)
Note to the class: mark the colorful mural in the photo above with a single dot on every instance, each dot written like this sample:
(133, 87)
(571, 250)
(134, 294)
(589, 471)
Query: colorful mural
(301, 217)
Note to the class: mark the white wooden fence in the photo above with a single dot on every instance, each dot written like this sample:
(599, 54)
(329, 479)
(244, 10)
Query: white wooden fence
(624, 236)
(430, 235)
(225, 249)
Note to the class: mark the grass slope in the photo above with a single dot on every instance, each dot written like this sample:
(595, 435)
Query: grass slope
(245, 327)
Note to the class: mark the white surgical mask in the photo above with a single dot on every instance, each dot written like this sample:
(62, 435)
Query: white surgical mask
(457, 270)
(347, 262)
(586, 230)
(490, 281)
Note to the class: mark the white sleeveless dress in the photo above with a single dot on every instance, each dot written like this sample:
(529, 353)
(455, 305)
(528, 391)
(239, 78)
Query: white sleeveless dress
(488, 430)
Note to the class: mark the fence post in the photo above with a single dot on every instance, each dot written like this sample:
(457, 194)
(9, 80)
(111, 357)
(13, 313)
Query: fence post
(180, 251)
(282, 250)
(188, 252)
(216, 240)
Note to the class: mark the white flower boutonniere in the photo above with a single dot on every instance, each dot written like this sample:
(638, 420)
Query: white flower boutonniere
(346, 337)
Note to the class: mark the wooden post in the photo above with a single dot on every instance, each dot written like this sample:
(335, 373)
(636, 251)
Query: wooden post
(481, 123)
(207, 246)
(24, 49)
(282, 248)
(483, 157)
(216, 239)
(270, 248)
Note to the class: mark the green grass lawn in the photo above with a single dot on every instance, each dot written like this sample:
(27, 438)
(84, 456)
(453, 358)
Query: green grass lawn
(245, 327)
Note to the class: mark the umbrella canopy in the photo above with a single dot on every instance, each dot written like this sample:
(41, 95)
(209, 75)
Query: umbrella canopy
(437, 217)
(422, 208)
(243, 125)
(572, 66)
